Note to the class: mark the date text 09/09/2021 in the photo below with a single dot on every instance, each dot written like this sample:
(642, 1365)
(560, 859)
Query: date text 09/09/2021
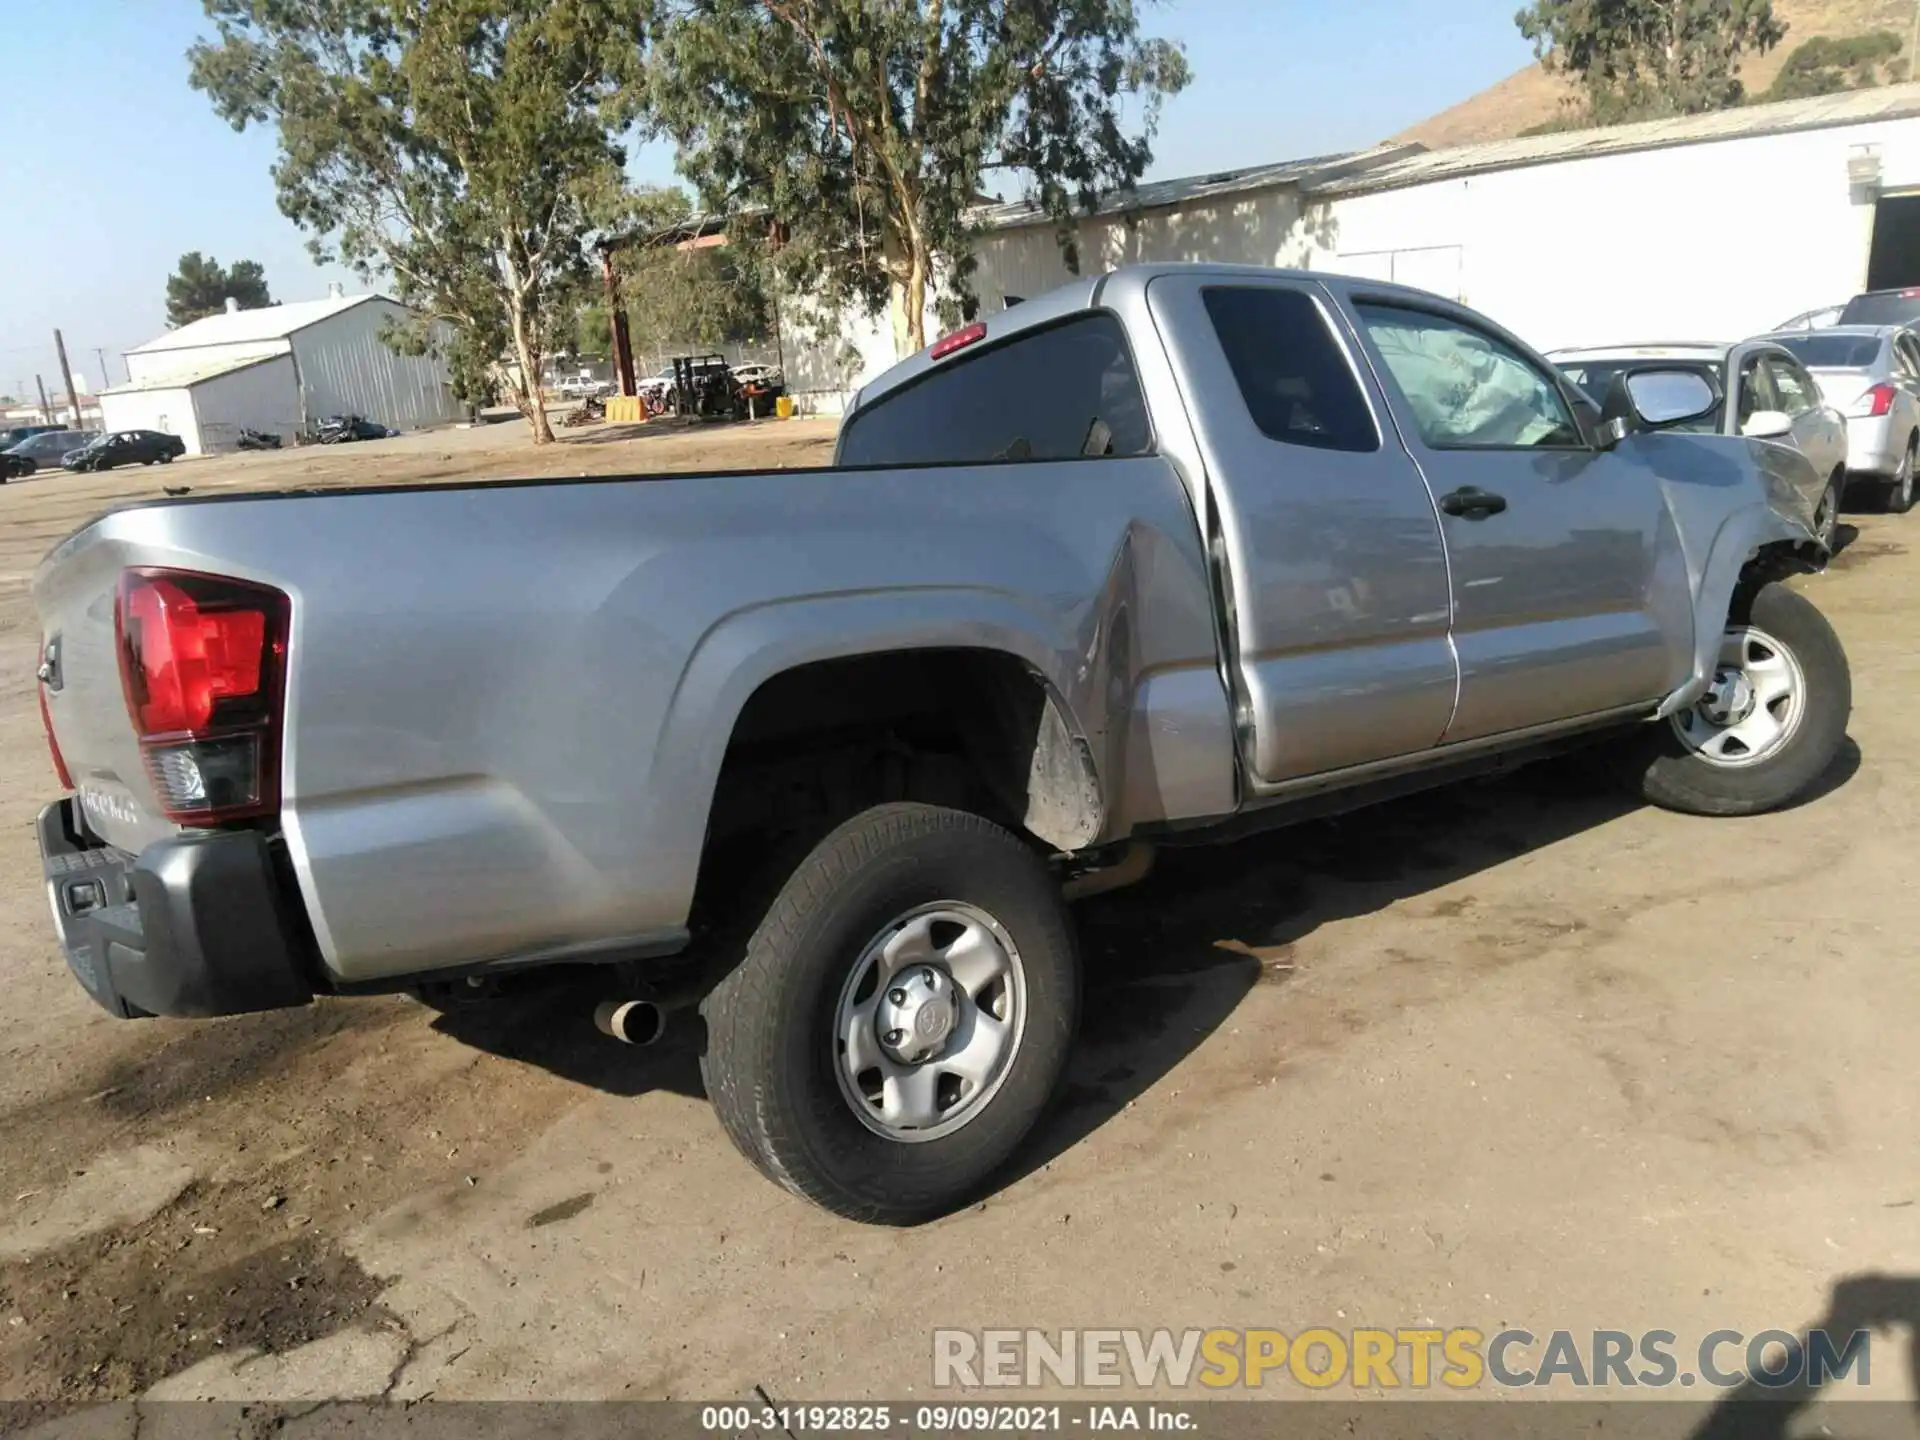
(938, 1419)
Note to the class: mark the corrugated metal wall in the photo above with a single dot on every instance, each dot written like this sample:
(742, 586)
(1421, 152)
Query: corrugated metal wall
(345, 369)
(260, 397)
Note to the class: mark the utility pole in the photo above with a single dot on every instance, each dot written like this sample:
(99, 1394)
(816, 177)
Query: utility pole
(66, 372)
(100, 354)
(46, 410)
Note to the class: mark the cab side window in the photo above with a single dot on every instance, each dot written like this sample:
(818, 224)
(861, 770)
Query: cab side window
(1066, 392)
(1468, 390)
(1794, 387)
(1754, 394)
(1293, 376)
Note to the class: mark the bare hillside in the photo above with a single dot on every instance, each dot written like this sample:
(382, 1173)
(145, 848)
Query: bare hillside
(1532, 97)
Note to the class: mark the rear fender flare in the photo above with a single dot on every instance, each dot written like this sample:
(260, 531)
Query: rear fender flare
(750, 647)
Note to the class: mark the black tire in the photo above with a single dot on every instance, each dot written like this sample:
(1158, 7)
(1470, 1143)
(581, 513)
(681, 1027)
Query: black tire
(1669, 774)
(770, 1063)
(1827, 530)
(166, 459)
(1897, 499)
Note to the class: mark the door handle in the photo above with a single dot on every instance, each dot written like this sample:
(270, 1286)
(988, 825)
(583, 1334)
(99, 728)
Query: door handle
(1472, 502)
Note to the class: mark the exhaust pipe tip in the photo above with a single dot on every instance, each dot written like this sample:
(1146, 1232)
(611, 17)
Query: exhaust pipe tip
(636, 1022)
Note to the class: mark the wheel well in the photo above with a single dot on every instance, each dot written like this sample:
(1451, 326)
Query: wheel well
(974, 729)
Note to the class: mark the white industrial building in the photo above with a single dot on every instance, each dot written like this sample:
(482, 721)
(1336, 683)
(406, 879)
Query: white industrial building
(1703, 228)
(277, 370)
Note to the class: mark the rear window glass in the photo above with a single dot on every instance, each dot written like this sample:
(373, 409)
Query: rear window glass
(1064, 393)
(1883, 307)
(1833, 352)
(1297, 384)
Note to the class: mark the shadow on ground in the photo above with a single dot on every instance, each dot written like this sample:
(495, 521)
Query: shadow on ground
(1167, 961)
(1835, 1347)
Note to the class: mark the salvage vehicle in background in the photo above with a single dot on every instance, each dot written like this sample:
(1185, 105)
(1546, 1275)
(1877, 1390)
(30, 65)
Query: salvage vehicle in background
(1168, 556)
(1774, 399)
(1821, 319)
(50, 448)
(1899, 306)
(14, 467)
(126, 447)
(1872, 372)
(344, 429)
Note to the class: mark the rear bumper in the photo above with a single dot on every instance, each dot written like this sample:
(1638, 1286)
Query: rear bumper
(1872, 448)
(194, 925)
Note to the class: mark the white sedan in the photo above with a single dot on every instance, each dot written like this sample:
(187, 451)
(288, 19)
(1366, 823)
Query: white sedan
(1774, 400)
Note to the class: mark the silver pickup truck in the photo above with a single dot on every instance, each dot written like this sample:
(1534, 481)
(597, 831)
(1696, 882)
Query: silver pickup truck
(1165, 556)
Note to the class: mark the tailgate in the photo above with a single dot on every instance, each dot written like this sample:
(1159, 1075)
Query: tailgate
(86, 707)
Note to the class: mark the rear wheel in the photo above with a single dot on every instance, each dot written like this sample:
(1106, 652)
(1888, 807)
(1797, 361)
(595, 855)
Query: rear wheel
(1770, 722)
(1899, 496)
(901, 1018)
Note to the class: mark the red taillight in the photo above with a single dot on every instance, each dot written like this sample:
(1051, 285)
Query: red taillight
(959, 340)
(46, 723)
(1875, 403)
(203, 665)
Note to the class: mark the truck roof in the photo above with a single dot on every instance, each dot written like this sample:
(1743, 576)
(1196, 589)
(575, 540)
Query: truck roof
(1089, 292)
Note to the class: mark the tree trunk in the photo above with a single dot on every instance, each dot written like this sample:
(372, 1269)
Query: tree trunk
(908, 265)
(528, 399)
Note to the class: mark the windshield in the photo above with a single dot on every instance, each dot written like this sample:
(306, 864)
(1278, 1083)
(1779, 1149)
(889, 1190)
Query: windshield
(1833, 352)
(1596, 377)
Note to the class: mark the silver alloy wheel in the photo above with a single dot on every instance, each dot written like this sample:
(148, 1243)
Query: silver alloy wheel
(1903, 481)
(1753, 706)
(929, 1021)
(1826, 516)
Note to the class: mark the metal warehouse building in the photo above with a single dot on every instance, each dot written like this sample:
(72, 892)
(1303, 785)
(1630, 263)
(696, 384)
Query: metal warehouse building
(278, 369)
(1708, 227)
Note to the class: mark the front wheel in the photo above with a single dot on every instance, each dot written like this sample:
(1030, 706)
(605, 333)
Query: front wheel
(901, 1018)
(1769, 724)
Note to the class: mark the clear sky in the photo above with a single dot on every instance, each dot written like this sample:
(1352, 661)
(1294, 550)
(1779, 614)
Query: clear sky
(114, 166)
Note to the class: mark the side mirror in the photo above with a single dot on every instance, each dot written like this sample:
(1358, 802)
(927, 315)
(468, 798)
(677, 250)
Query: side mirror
(1653, 398)
(1767, 425)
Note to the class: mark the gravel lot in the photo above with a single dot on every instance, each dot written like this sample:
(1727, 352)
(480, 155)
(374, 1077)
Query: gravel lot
(1514, 1053)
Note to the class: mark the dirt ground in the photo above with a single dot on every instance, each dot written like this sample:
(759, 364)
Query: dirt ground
(1518, 1053)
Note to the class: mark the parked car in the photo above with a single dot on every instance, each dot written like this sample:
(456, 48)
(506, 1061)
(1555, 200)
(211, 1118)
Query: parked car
(581, 387)
(1882, 307)
(759, 376)
(344, 429)
(14, 434)
(50, 448)
(13, 467)
(1821, 319)
(979, 666)
(1775, 400)
(1873, 374)
(126, 447)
